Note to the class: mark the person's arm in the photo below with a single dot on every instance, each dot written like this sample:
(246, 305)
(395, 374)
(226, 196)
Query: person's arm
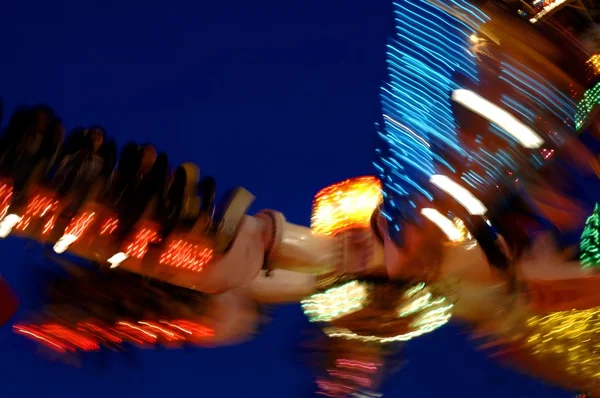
(282, 286)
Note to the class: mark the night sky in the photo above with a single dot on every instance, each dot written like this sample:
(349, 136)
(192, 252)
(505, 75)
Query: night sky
(280, 97)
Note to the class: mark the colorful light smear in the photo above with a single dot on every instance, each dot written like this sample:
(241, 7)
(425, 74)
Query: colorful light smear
(532, 100)
(90, 336)
(109, 226)
(76, 228)
(346, 205)
(40, 206)
(438, 50)
(535, 93)
(349, 377)
(594, 65)
(452, 232)
(591, 98)
(80, 224)
(432, 46)
(492, 112)
(589, 247)
(336, 302)
(144, 235)
(419, 310)
(569, 339)
(547, 7)
(181, 253)
(6, 191)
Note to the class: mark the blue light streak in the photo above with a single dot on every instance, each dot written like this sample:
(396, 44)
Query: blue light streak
(419, 127)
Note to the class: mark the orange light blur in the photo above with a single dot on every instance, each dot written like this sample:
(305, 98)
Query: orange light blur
(39, 207)
(196, 331)
(37, 334)
(6, 191)
(145, 235)
(76, 339)
(138, 334)
(183, 254)
(86, 336)
(162, 331)
(594, 64)
(49, 225)
(100, 333)
(346, 205)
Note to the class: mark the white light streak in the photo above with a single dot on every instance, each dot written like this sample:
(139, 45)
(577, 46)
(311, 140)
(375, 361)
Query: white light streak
(492, 112)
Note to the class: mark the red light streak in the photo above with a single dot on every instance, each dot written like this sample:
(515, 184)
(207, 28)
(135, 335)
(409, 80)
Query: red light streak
(77, 339)
(109, 226)
(38, 335)
(80, 224)
(6, 191)
(38, 207)
(352, 364)
(143, 238)
(183, 254)
(87, 336)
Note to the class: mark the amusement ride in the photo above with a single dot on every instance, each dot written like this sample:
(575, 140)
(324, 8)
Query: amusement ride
(475, 119)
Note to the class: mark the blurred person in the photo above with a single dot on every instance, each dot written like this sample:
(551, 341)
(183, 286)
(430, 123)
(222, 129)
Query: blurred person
(139, 187)
(29, 146)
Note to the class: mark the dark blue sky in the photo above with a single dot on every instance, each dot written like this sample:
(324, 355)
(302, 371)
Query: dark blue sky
(277, 96)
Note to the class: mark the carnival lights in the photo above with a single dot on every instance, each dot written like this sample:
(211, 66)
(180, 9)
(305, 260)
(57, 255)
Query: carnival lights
(432, 46)
(89, 336)
(459, 224)
(419, 312)
(39, 207)
(74, 231)
(536, 93)
(181, 253)
(570, 337)
(366, 287)
(6, 191)
(462, 195)
(594, 65)
(445, 224)
(145, 234)
(336, 302)
(591, 98)
(476, 103)
(589, 251)
(549, 6)
(346, 205)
